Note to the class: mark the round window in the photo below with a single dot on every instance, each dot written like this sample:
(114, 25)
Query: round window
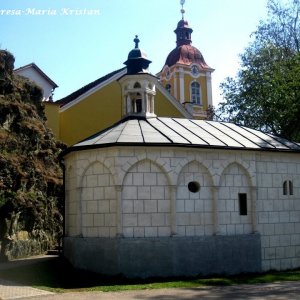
(194, 187)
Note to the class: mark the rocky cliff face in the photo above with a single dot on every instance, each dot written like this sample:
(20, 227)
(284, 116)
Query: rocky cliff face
(30, 175)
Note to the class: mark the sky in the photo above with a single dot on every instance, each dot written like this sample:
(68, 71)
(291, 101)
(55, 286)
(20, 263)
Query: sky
(78, 41)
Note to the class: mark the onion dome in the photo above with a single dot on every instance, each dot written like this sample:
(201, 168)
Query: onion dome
(185, 53)
(137, 61)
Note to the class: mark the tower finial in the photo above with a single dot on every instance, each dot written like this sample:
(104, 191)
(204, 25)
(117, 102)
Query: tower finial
(182, 10)
(136, 40)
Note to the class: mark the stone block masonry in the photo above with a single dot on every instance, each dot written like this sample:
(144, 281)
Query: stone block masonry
(139, 195)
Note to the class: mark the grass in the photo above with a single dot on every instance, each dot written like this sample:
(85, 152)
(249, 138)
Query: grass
(57, 275)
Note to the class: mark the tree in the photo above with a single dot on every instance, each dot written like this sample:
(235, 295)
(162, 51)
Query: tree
(265, 95)
(30, 174)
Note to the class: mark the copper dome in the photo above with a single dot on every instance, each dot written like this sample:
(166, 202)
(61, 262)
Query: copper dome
(186, 55)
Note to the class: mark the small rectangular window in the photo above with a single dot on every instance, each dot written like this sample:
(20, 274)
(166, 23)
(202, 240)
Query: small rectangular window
(287, 188)
(243, 204)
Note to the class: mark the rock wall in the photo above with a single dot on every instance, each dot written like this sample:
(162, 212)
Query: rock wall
(30, 175)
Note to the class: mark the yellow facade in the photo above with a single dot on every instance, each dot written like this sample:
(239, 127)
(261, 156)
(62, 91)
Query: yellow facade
(52, 115)
(90, 115)
(180, 78)
(163, 108)
(174, 81)
(95, 112)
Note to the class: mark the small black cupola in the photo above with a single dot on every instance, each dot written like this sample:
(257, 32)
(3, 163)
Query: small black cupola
(137, 61)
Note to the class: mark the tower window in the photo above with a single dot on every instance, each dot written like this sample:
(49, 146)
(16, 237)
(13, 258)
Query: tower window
(243, 204)
(137, 85)
(168, 87)
(138, 105)
(287, 188)
(195, 93)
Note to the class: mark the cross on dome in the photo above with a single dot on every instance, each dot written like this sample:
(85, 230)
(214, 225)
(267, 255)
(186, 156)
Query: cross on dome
(136, 40)
(182, 10)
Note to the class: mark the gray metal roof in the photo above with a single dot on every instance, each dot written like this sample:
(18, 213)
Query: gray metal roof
(185, 132)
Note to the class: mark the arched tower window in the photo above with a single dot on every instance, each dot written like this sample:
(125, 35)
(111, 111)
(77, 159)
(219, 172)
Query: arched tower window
(136, 99)
(195, 93)
(138, 103)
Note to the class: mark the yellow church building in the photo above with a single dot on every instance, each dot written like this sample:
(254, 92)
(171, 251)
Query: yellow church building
(183, 89)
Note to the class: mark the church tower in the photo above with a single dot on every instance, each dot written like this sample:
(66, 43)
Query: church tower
(186, 75)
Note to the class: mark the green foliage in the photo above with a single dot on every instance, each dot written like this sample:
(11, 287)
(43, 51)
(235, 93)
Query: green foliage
(30, 174)
(265, 95)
